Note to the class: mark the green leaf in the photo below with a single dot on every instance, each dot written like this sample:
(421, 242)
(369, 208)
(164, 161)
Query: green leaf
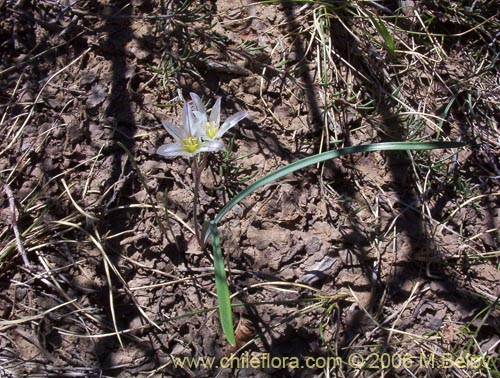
(210, 228)
(384, 32)
(222, 289)
(311, 160)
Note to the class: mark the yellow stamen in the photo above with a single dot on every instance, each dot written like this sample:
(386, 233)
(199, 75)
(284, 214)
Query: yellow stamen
(211, 131)
(191, 144)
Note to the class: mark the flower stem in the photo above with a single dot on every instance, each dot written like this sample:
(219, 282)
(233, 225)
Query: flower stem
(196, 178)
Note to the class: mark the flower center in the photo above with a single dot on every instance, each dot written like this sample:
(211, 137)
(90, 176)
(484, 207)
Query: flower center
(191, 144)
(211, 131)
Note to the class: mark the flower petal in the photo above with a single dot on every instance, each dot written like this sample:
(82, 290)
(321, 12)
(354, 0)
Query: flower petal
(211, 146)
(215, 114)
(173, 150)
(201, 120)
(198, 104)
(176, 132)
(189, 123)
(199, 115)
(198, 127)
(230, 122)
(186, 119)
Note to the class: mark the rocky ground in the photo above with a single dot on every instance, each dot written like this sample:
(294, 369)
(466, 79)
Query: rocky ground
(370, 255)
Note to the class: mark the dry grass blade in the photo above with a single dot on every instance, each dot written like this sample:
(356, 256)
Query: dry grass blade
(13, 220)
(80, 210)
(109, 264)
(32, 110)
(5, 324)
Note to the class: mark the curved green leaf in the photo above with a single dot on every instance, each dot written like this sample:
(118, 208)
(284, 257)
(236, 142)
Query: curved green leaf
(293, 167)
(210, 228)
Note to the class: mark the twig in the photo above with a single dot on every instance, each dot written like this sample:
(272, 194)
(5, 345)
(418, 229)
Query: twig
(12, 205)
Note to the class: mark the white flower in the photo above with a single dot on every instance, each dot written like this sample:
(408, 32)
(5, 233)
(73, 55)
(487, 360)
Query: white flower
(210, 127)
(188, 138)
